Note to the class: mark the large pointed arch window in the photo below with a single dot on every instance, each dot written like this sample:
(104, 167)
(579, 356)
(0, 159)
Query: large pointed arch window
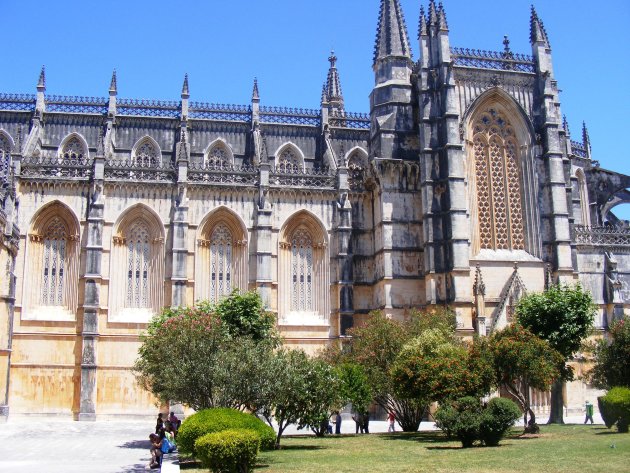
(357, 163)
(52, 266)
(220, 263)
(138, 258)
(218, 156)
(498, 184)
(301, 271)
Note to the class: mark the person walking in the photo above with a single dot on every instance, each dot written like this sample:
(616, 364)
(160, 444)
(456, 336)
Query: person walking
(589, 412)
(392, 422)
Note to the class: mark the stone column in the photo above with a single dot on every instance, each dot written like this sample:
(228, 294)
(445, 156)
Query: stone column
(344, 254)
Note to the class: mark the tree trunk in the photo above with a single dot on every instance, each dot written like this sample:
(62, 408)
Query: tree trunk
(557, 403)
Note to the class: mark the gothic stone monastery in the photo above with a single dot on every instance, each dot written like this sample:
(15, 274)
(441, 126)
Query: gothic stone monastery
(462, 186)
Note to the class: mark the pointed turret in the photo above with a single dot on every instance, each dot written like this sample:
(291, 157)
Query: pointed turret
(432, 16)
(423, 27)
(442, 23)
(324, 99)
(113, 85)
(537, 33)
(391, 35)
(185, 96)
(255, 93)
(185, 89)
(565, 125)
(113, 92)
(334, 96)
(40, 104)
(586, 140)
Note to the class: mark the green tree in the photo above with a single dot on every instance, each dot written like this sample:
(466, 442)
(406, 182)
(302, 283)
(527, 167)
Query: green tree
(612, 358)
(354, 386)
(208, 356)
(562, 315)
(244, 315)
(434, 367)
(322, 395)
(375, 346)
(523, 360)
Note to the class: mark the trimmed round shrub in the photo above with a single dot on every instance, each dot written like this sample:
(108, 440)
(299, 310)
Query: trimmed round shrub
(462, 419)
(499, 415)
(217, 420)
(228, 451)
(615, 408)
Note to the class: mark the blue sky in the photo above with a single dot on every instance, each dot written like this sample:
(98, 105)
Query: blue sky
(223, 45)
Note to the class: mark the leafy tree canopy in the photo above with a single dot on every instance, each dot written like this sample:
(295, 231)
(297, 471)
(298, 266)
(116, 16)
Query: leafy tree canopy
(612, 358)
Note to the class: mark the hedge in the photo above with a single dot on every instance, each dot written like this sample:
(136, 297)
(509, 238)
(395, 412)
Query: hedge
(615, 408)
(220, 419)
(229, 451)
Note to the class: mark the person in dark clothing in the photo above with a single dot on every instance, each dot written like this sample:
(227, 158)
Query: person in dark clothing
(366, 423)
(159, 423)
(338, 423)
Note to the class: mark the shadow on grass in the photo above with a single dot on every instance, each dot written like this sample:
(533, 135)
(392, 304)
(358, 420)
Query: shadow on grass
(610, 432)
(422, 437)
(136, 444)
(302, 447)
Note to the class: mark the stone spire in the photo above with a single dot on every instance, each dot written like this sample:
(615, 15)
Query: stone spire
(113, 85)
(391, 35)
(334, 95)
(537, 32)
(185, 89)
(41, 83)
(423, 27)
(432, 16)
(255, 93)
(565, 125)
(324, 99)
(586, 140)
(442, 23)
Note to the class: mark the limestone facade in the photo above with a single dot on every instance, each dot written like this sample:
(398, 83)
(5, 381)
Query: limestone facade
(462, 186)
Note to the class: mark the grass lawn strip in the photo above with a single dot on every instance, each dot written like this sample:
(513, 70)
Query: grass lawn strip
(569, 448)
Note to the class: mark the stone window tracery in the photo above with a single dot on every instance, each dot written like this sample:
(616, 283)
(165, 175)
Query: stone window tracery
(288, 161)
(355, 171)
(218, 156)
(73, 150)
(220, 263)
(147, 155)
(5, 151)
(53, 277)
(498, 185)
(301, 271)
(138, 257)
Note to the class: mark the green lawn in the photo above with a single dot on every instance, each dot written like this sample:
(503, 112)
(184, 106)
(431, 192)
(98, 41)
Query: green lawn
(570, 448)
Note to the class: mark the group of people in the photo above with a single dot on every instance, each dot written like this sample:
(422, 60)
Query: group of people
(163, 439)
(361, 420)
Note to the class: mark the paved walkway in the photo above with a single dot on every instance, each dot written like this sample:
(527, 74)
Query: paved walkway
(30, 445)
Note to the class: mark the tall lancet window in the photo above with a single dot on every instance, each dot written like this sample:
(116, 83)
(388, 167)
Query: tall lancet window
(288, 161)
(54, 262)
(147, 154)
(301, 271)
(497, 178)
(220, 262)
(138, 257)
(73, 150)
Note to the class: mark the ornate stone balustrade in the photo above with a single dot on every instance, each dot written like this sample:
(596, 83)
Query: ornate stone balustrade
(290, 116)
(148, 108)
(607, 236)
(578, 149)
(222, 174)
(297, 178)
(66, 104)
(221, 112)
(129, 170)
(350, 120)
(46, 168)
(17, 102)
(503, 61)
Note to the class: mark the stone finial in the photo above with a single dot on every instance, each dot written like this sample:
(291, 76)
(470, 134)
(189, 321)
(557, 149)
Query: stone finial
(442, 23)
(537, 32)
(507, 52)
(479, 287)
(255, 93)
(423, 28)
(391, 35)
(41, 83)
(565, 125)
(324, 99)
(113, 85)
(185, 89)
